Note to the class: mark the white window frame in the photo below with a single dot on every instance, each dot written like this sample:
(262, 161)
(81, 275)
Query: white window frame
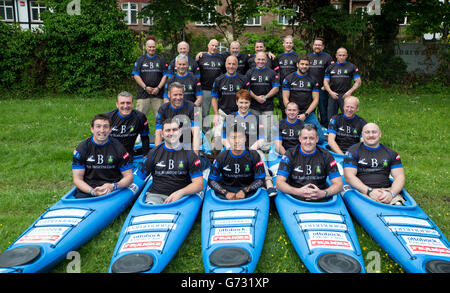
(253, 21)
(128, 10)
(283, 19)
(36, 5)
(208, 23)
(146, 20)
(4, 7)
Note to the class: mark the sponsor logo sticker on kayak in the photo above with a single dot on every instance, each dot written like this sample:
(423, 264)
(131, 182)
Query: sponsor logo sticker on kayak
(234, 214)
(426, 245)
(231, 235)
(144, 241)
(326, 239)
(43, 235)
(66, 213)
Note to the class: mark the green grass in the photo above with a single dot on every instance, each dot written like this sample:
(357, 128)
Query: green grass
(39, 135)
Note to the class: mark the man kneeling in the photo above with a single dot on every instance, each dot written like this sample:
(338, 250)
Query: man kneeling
(304, 169)
(176, 171)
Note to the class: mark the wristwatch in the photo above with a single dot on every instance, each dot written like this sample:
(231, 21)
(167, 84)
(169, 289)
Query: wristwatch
(306, 114)
(369, 190)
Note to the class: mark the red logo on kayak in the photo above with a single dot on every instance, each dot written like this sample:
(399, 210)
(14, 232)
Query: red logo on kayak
(126, 155)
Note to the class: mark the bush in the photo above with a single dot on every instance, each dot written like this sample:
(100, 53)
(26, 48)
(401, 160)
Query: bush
(86, 52)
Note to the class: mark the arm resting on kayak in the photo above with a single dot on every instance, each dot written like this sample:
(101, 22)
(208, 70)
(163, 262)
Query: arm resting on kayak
(127, 179)
(399, 180)
(195, 186)
(78, 181)
(309, 191)
(333, 145)
(377, 194)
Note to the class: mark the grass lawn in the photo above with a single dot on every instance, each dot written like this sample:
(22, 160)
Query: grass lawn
(39, 135)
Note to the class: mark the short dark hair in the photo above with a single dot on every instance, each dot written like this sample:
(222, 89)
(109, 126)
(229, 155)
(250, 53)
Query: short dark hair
(170, 121)
(302, 57)
(319, 39)
(309, 127)
(101, 117)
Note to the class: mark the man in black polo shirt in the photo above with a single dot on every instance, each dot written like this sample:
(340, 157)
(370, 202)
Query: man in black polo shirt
(127, 124)
(285, 64)
(338, 82)
(288, 130)
(184, 112)
(211, 65)
(223, 94)
(192, 86)
(100, 163)
(192, 66)
(344, 130)
(150, 73)
(319, 60)
(260, 46)
(304, 169)
(176, 171)
(303, 89)
(367, 166)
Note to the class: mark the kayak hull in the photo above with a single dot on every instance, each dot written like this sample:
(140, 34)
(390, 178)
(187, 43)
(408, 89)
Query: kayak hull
(233, 232)
(152, 234)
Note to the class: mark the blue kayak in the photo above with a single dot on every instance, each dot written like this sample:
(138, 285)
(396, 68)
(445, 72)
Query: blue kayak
(322, 234)
(233, 232)
(152, 234)
(406, 232)
(65, 227)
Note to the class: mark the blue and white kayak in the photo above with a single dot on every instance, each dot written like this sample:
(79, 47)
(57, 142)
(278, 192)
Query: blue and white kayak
(233, 232)
(65, 227)
(322, 234)
(406, 232)
(152, 234)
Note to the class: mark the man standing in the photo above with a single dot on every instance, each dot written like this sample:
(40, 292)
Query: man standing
(303, 89)
(368, 165)
(224, 92)
(192, 66)
(285, 64)
(318, 62)
(338, 82)
(176, 171)
(345, 128)
(100, 163)
(261, 47)
(150, 73)
(192, 86)
(127, 124)
(304, 169)
(182, 111)
(211, 65)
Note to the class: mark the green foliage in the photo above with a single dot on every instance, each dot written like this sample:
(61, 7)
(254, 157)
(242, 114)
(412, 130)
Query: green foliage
(89, 51)
(272, 39)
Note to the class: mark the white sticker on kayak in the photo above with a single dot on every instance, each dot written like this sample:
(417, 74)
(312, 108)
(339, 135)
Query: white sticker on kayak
(151, 226)
(43, 235)
(234, 214)
(406, 220)
(426, 245)
(232, 222)
(66, 213)
(231, 235)
(134, 188)
(415, 230)
(154, 217)
(320, 217)
(144, 241)
(58, 222)
(328, 239)
(322, 226)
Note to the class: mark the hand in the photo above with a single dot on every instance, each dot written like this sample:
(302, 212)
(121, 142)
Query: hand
(334, 95)
(230, 195)
(155, 91)
(381, 195)
(347, 94)
(174, 196)
(301, 117)
(260, 99)
(216, 119)
(149, 90)
(240, 194)
(314, 192)
(104, 189)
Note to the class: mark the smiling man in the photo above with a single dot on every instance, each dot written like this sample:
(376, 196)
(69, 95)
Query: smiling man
(127, 124)
(304, 169)
(344, 130)
(184, 112)
(368, 164)
(100, 163)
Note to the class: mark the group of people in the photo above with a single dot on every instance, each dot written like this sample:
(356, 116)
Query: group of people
(240, 90)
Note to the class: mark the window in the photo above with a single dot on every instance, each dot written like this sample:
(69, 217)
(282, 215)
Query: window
(253, 21)
(6, 10)
(146, 20)
(131, 10)
(285, 19)
(207, 22)
(36, 10)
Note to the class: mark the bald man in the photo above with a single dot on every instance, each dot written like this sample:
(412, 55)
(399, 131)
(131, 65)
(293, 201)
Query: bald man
(150, 74)
(344, 130)
(368, 165)
(211, 65)
(341, 80)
